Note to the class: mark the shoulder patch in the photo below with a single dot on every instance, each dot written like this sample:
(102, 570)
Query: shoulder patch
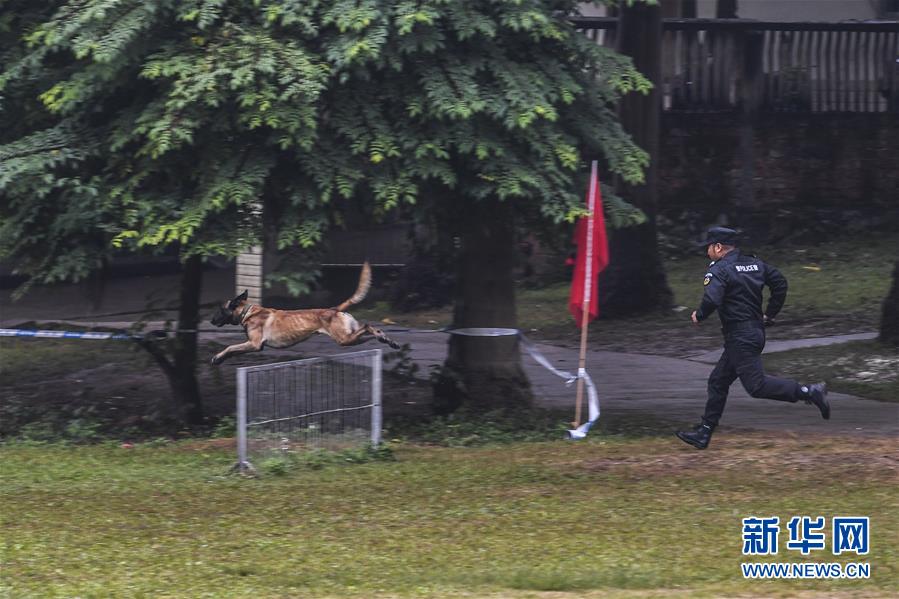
(707, 279)
(747, 267)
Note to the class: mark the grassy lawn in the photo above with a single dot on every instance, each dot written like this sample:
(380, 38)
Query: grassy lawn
(612, 516)
(866, 368)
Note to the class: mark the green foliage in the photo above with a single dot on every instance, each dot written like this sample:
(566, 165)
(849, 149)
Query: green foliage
(275, 466)
(171, 123)
(225, 427)
(405, 369)
(297, 269)
(84, 429)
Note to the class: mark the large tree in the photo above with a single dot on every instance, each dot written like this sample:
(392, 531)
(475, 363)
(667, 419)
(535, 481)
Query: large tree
(889, 321)
(151, 125)
(174, 123)
(635, 281)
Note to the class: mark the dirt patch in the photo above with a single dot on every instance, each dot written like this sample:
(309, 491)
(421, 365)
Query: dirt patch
(229, 443)
(874, 459)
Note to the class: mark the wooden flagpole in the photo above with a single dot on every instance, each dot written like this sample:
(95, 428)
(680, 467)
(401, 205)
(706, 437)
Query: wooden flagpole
(581, 365)
(588, 288)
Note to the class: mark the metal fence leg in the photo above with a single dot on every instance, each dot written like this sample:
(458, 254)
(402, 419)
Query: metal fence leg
(242, 464)
(376, 399)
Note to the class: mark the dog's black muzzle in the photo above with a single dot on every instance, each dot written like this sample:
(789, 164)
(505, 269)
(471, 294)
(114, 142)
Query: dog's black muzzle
(220, 319)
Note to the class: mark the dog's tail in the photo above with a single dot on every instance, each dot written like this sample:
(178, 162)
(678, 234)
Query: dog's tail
(361, 290)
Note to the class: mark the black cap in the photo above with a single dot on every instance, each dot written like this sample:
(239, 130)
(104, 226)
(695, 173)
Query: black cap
(721, 235)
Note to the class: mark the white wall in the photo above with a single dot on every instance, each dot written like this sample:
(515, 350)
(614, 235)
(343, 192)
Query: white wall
(796, 10)
(777, 10)
(591, 10)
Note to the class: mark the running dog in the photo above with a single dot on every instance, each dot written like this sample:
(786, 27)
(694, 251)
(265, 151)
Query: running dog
(283, 328)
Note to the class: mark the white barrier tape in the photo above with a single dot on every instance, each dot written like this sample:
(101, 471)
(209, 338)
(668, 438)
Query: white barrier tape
(63, 334)
(44, 334)
(484, 332)
(592, 396)
(541, 359)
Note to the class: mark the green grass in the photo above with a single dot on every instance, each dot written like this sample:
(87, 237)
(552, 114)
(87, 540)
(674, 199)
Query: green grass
(848, 275)
(865, 368)
(844, 276)
(606, 517)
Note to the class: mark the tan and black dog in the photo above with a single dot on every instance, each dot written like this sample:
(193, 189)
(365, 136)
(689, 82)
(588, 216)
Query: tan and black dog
(283, 328)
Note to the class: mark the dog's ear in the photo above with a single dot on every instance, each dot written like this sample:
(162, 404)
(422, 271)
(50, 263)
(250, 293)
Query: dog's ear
(240, 298)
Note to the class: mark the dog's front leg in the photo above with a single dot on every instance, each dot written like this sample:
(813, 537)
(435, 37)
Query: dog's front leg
(240, 348)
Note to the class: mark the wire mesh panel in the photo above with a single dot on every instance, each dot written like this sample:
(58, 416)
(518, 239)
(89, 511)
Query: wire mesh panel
(331, 402)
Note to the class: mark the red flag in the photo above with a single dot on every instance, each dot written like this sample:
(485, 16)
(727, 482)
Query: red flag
(592, 254)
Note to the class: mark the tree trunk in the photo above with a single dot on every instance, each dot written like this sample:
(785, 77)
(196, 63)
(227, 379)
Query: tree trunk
(688, 9)
(484, 373)
(726, 9)
(184, 354)
(181, 369)
(751, 87)
(635, 281)
(95, 284)
(889, 324)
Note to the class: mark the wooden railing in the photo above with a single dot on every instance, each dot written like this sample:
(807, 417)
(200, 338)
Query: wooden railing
(729, 64)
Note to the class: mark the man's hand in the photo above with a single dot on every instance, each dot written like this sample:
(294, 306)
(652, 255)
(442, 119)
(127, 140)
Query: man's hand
(768, 322)
(693, 317)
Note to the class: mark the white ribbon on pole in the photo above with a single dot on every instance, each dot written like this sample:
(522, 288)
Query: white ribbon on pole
(592, 396)
(592, 407)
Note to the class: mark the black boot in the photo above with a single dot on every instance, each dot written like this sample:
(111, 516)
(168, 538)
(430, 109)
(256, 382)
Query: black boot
(817, 395)
(699, 438)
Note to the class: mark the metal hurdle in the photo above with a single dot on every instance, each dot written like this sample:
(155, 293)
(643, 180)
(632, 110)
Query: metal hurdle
(331, 402)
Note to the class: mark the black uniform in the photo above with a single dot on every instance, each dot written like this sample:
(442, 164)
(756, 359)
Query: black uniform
(733, 287)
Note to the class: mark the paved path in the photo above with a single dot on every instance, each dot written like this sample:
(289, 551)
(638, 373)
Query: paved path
(661, 387)
(668, 388)
(776, 346)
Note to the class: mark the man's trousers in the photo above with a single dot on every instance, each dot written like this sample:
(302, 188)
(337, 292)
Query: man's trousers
(742, 358)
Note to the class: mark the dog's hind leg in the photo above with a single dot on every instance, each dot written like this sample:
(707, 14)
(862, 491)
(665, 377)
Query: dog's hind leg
(383, 338)
(360, 335)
